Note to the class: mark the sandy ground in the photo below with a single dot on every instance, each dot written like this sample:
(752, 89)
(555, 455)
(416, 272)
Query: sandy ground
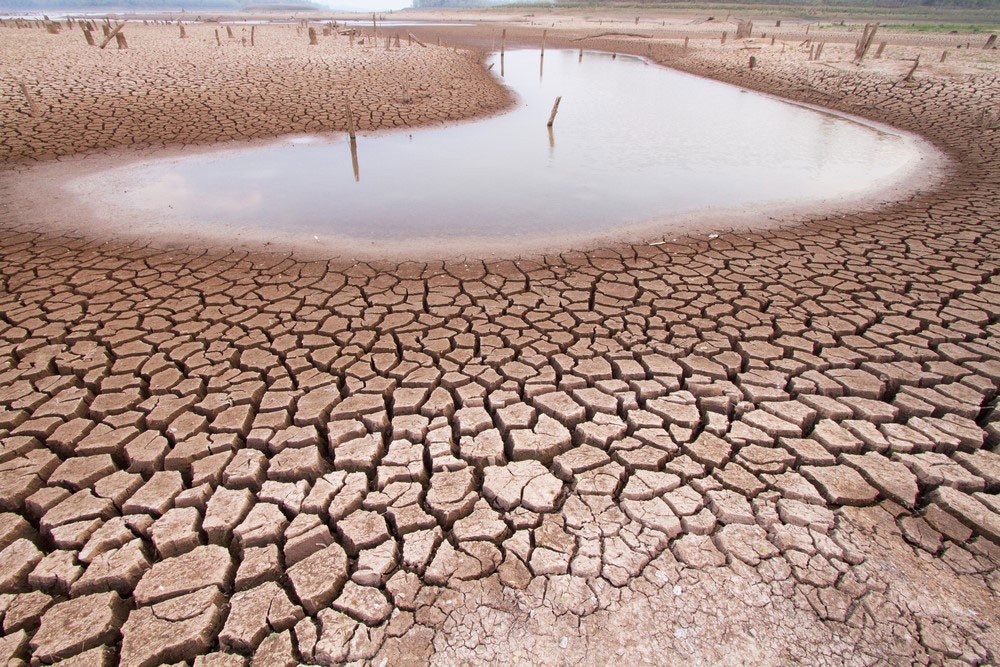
(766, 448)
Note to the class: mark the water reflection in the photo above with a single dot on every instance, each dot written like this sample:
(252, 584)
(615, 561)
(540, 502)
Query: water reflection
(354, 160)
(636, 143)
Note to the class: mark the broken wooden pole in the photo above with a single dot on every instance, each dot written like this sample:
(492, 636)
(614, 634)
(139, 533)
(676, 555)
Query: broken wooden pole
(555, 110)
(909, 75)
(183, 32)
(418, 41)
(865, 43)
(33, 110)
(880, 49)
(990, 41)
(503, 40)
(354, 160)
(218, 42)
(312, 37)
(944, 54)
(229, 32)
(120, 39)
(89, 36)
(111, 35)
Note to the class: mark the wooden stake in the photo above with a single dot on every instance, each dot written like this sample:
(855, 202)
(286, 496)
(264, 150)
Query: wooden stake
(503, 40)
(543, 42)
(183, 32)
(218, 42)
(350, 121)
(27, 97)
(944, 54)
(89, 36)
(111, 35)
(229, 32)
(312, 37)
(990, 41)
(120, 38)
(753, 61)
(555, 110)
(252, 29)
(909, 75)
(881, 48)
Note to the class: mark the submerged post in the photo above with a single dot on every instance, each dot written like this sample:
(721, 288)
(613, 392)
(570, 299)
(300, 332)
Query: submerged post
(555, 110)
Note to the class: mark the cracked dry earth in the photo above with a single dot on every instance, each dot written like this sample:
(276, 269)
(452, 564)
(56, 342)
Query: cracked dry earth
(764, 448)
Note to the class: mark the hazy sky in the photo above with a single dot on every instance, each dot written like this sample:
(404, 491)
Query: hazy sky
(367, 5)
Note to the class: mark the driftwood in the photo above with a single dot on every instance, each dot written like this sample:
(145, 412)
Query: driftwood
(612, 34)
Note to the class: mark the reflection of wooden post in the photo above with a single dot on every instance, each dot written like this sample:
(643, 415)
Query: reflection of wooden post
(354, 160)
(580, 58)
(555, 110)
(552, 137)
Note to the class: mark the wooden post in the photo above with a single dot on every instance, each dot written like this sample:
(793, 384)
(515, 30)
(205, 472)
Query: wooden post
(772, 40)
(218, 42)
(503, 40)
(555, 110)
(686, 38)
(753, 61)
(352, 38)
(881, 48)
(350, 121)
(397, 41)
(819, 50)
(89, 36)
(252, 29)
(543, 42)
(990, 41)
(183, 32)
(909, 75)
(723, 38)
(312, 37)
(944, 54)
(120, 38)
(374, 31)
(111, 35)
(418, 41)
(866, 42)
(27, 98)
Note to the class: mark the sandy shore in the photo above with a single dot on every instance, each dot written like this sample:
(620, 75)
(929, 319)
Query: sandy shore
(773, 447)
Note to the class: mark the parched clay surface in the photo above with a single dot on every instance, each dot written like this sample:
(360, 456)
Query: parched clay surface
(764, 448)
